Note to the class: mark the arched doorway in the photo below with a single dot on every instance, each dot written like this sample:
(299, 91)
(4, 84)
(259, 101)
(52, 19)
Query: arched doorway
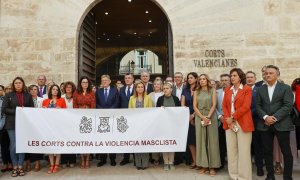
(113, 28)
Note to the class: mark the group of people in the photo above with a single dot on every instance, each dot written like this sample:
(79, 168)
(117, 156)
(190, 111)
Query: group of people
(234, 117)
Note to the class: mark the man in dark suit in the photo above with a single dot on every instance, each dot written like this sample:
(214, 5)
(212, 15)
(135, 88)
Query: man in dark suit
(256, 135)
(145, 77)
(41, 85)
(274, 103)
(177, 91)
(125, 93)
(107, 98)
(260, 83)
(225, 82)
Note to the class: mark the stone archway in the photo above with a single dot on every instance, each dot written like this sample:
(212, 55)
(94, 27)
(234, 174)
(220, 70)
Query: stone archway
(106, 51)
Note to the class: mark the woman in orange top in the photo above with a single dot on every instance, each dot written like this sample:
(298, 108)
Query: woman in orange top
(84, 97)
(54, 101)
(238, 125)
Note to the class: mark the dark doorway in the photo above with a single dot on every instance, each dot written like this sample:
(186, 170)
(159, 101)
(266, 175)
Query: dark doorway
(122, 26)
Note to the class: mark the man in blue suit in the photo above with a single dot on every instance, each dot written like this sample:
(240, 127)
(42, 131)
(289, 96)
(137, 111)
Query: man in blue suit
(41, 81)
(125, 93)
(225, 82)
(260, 83)
(107, 98)
(256, 135)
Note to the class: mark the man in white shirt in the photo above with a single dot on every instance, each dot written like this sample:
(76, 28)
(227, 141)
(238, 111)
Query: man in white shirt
(274, 102)
(178, 86)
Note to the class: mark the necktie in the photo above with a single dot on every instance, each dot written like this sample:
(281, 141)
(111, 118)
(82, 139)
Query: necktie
(128, 91)
(105, 94)
(41, 92)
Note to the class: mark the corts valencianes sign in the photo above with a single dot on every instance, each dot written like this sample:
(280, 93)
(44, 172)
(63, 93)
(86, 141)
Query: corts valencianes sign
(215, 58)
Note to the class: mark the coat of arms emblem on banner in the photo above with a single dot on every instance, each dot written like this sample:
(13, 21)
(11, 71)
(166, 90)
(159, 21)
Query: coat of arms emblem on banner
(122, 124)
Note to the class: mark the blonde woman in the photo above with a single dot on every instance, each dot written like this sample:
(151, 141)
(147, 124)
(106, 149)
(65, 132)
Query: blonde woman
(140, 99)
(157, 92)
(207, 141)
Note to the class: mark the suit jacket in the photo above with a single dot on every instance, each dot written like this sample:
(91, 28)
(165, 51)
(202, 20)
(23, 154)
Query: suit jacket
(259, 83)
(147, 102)
(112, 99)
(149, 88)
(242, 103)
(255, 117)
(124, 100)
(280, 107)
(9, 107)
(219, 108)
(44, 91)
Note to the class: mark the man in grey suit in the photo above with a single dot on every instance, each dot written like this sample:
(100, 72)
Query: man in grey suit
(225, 82)
(274, 103)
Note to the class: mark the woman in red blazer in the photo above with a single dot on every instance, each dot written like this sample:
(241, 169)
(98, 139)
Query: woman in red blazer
(238, 125)
(54, 101)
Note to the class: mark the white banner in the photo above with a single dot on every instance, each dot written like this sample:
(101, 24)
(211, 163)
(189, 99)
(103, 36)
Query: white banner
(42, 130)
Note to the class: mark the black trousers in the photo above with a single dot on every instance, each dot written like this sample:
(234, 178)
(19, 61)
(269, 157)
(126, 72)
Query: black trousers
(68, 158)
(104, 156)
(222, 144)
(258, 148)
(284, 143)
(126, 156)
(298, 137)
(4, 142)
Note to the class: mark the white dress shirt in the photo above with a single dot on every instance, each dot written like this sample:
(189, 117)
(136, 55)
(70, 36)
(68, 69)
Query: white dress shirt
(179, 91)
(126, 89)
(270, 92)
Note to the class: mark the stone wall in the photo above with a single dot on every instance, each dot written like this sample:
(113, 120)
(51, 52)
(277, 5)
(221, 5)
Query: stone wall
(40, 37)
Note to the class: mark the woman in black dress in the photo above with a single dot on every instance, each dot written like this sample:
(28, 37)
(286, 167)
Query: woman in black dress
(187, 100)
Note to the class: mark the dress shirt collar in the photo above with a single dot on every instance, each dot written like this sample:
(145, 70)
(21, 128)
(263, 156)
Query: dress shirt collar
(272, 85)
(108, 88)
(240, 87)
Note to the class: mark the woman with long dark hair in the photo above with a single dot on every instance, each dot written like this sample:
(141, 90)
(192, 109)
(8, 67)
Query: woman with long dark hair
(187, 100)
(85, 98)
(19, 97)
(54, 101)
